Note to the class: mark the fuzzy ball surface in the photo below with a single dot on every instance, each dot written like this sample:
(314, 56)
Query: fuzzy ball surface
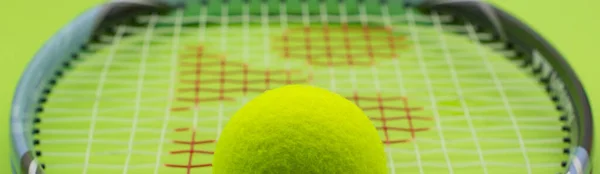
(299, 129)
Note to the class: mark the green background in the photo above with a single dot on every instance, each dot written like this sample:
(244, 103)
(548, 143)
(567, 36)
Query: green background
(572, 26)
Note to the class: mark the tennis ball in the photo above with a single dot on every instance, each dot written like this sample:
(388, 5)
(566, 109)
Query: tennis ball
(299, 129)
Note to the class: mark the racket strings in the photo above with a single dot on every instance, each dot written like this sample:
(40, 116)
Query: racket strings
(190, 151)
(324, 46)
(238, 77)
(403, 61)
(381, 108)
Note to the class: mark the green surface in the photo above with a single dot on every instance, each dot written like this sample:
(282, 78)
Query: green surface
(571, 33)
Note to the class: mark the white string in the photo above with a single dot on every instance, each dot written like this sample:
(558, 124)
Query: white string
(75, 81)
(140, 88)
(428, 44)
(191, 19)
(224, 38)
(117, 110)
(113, 119)
(431, 164)
(397, 69)
(548, 119)
(525, 101)
(470, 152)
(344, 20)
(505, 141)
(116, 131)
(128, 62)
(461, 165)
(201, 40)
(400, 29)
(103, 153)
(464, 53)
(84, 80)
(284, 27)
(325, 23)
(461, 52)
(202, 20)
(432, 97)
(264, 10)
(502, 93)
(538, 108)
(246, 33)
(306, 22)
(124, 90)
(104, 110)
(100, 166)
(375, 75)
(167, 113)
(459, 92)
(537, 120)
(466, 152)
(98, 94)
(508, 141)
(102, 142)
(115, 74)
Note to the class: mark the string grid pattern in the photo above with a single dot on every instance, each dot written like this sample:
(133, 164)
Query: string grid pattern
(191, 151)
(323, 46)
(154, 98)
(200, 75)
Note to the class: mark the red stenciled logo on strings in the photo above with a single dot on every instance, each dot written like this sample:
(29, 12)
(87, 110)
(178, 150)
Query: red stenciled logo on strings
(387, 115)
(340, 45)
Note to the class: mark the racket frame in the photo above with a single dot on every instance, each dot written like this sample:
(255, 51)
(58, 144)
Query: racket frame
(533, 51)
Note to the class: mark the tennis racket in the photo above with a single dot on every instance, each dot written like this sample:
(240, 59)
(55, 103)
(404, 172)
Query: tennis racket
(452, 86)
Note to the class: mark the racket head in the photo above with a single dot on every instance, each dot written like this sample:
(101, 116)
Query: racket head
(532, 51)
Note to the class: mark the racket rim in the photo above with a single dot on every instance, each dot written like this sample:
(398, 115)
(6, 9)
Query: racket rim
(105, 14)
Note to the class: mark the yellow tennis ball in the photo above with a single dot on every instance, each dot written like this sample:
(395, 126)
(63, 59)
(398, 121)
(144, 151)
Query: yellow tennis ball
(299, 129)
